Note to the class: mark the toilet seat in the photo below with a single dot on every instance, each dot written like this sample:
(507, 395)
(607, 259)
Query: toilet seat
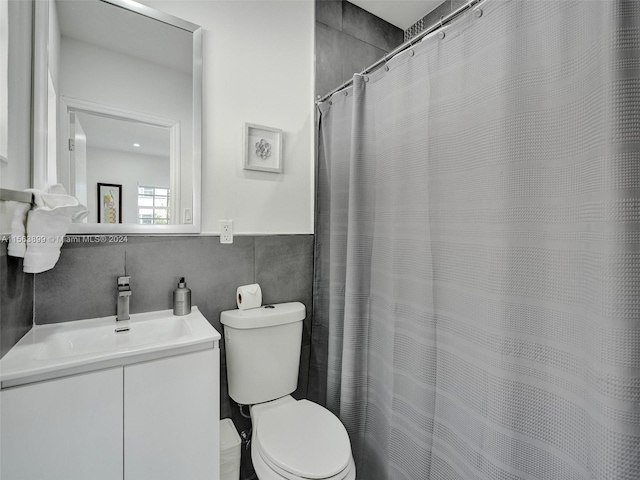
(266, 472)
(282, 440)
(283, 474)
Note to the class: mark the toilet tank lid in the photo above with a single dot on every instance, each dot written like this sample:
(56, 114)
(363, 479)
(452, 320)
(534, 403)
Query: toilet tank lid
(264, 316)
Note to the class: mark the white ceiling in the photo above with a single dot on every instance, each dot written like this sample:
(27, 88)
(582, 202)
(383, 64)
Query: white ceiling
(115, 134)
(401, 13)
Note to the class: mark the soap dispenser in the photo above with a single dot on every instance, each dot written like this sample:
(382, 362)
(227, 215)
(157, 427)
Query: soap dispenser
(182, 299)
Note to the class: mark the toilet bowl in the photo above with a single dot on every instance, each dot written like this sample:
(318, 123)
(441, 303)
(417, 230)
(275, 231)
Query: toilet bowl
(292, 439)
(299, 440)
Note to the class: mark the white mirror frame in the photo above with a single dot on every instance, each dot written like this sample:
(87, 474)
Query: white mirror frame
(43, 173)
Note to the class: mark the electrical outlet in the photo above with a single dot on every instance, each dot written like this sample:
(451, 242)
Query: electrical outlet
(226, 231)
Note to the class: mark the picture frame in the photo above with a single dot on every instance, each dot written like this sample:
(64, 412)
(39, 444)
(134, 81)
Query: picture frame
(262, 148)
(109, 203)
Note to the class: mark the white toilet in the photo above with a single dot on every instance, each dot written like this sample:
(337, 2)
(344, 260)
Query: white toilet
(292, 439)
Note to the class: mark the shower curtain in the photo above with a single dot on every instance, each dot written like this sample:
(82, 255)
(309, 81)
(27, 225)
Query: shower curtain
(478, 249)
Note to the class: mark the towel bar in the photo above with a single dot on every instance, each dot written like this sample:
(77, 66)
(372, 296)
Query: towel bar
(8, 195)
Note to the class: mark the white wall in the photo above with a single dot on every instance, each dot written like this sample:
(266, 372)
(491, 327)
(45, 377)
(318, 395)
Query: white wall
(4, 79)
(258, 68)
(127, 169)
(53, 45)
(17, 173)
(55, 148)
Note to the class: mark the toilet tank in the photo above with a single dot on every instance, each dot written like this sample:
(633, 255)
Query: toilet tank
(263, 351)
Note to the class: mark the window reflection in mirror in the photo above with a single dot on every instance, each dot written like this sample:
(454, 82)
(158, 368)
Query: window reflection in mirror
(153, 206)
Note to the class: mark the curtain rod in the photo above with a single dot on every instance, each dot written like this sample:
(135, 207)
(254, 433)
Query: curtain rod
(408, 44)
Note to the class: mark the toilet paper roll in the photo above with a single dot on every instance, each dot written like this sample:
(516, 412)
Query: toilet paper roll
(249, 296)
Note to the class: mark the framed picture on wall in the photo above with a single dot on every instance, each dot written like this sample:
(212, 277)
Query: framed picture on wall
(109, 203)
(262, 148)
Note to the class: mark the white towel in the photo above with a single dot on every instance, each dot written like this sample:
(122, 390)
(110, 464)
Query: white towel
(18, 241)
(47, 224)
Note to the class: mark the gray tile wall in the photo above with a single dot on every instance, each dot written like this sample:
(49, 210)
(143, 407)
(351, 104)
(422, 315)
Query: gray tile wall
(348, 39)
(433, 17)
(16, 300)
(83, 285)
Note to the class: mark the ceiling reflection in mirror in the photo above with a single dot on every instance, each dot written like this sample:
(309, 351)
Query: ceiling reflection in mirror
(123, 103)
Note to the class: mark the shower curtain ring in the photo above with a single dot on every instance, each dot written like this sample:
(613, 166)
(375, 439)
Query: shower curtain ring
(386, 67)
(441, 34)
(411, 52)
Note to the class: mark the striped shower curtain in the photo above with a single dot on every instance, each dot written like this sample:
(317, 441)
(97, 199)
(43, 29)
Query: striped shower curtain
(477, 290)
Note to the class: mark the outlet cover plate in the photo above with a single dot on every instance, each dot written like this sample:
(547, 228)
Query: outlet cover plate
(226, 231)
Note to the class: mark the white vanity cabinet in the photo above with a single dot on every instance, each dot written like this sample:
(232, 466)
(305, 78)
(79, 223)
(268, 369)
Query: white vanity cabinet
(171, 428)
(99, 400)
(68, 428)
(157, 420)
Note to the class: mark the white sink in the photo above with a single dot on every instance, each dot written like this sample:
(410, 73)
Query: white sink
(48, 351)
(88, 339)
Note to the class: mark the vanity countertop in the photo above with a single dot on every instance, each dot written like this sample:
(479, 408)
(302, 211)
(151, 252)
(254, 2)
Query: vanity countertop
(68, 348)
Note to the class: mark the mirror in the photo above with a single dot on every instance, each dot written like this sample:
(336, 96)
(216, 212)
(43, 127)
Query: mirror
(117, 101)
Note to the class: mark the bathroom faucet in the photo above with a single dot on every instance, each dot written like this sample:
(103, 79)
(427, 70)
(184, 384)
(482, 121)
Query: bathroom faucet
(124, 293)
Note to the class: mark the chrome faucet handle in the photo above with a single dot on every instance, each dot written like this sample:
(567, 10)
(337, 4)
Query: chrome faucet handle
(124, 289)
